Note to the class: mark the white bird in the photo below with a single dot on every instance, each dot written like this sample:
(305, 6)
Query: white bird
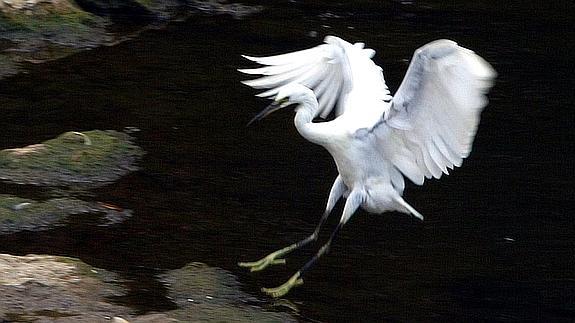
(375, 139)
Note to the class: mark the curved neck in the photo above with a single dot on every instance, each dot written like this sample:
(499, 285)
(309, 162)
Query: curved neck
(303, 121)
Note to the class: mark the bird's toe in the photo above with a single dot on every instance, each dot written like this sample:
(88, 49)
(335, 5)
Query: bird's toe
(283, 289)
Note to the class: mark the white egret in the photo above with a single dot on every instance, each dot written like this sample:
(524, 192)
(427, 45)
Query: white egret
(375, 139)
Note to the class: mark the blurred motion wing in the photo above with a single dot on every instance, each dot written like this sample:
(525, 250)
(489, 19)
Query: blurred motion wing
(336, 71)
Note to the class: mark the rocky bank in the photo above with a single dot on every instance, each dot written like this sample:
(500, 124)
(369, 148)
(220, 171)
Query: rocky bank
(35, 31)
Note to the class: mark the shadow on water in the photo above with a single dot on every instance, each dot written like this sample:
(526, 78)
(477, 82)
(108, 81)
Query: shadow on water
(497, 243)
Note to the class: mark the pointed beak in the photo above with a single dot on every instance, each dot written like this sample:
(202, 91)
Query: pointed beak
(276, 105)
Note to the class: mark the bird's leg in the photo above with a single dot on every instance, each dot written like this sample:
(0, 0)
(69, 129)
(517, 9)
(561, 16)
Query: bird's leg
(274, 258)
(296, 279)
(352, 204)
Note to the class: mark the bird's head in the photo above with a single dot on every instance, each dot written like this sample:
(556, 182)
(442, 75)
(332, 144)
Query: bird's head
(288, 95)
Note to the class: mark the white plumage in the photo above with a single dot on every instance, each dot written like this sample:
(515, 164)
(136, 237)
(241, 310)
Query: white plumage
(427, 128)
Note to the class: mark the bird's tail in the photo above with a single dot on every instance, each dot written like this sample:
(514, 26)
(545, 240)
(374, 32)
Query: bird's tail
(408, 208)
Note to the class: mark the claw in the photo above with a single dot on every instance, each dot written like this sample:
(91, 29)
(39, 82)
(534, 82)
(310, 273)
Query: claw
(283, 289)
(264, 262)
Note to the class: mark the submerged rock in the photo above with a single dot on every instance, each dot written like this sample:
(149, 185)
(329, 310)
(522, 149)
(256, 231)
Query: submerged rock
(85, 159)
(209, 294)
(18, 214)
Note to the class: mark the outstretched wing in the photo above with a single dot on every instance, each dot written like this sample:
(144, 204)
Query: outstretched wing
(336, 71)
(433, 118)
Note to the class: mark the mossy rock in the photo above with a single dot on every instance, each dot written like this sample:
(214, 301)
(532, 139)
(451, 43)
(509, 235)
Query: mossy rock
(85, 159)
(209, 294)
(57, 21)
(45, 15)
(48, 270)
(42, 288)
(19, 214)
(43, 30)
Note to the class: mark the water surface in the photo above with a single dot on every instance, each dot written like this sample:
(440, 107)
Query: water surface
(497, 243)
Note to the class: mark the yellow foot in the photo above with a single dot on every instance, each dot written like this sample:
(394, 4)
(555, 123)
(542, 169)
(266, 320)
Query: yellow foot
(264, 262)
(281, 290)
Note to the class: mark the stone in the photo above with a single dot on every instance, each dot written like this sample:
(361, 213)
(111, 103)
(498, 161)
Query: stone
(207, 294)
(42, 288)
(79, 159)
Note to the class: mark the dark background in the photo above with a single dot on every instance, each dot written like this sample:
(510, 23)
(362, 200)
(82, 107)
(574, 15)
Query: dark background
(497, 243)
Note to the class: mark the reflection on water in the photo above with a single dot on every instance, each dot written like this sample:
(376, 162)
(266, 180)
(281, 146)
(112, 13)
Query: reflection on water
(497, 241)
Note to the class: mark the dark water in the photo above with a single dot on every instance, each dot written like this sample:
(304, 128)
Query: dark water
(497, 243)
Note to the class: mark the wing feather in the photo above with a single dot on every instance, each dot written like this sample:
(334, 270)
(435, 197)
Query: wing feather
(288, 58)
(332, 93)
(330, 70)
(436, 110)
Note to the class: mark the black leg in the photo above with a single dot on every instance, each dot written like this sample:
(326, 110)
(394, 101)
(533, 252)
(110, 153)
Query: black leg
(353, 202)
(323, 250)
(274, 258)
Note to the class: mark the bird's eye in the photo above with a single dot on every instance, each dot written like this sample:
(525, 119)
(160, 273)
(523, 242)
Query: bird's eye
(283, 100)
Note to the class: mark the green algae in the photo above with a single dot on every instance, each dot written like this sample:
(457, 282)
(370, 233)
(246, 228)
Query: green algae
(90, 159)
(79, 20)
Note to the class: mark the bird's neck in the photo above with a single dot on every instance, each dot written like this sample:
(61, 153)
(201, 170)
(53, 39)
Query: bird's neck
(303, 121)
